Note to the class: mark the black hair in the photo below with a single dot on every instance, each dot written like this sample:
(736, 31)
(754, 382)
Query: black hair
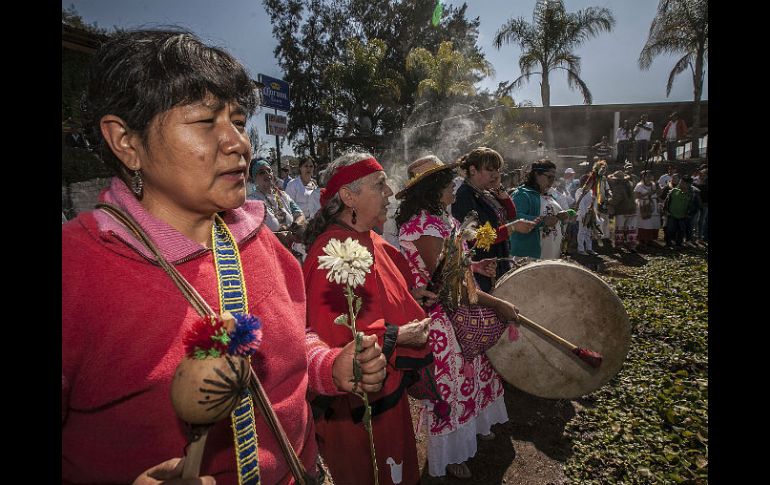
(537, 168)
(425, 194)
(305, 160)
(139, 74)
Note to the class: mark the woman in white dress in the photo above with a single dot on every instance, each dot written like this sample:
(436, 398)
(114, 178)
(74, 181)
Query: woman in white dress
(535, 202)
(304, 191)
(647, 194)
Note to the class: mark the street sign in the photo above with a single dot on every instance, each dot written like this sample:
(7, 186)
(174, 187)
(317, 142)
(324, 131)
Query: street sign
(276, 124)
(275, 93)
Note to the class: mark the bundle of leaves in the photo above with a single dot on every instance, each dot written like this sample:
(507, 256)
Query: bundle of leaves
(451, 272)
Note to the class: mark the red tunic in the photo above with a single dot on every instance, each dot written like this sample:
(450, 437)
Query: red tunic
(123, 322)
(342, 438)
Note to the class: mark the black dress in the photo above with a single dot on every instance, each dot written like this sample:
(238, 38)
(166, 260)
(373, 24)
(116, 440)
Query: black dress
(489, 210)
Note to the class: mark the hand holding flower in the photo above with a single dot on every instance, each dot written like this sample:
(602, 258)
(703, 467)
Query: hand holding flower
(425, 297)
(524, 226)
(371, 360)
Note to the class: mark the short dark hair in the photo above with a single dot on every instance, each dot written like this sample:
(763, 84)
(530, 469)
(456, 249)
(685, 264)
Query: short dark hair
(481, 157)
(139, 74)
(305, 160)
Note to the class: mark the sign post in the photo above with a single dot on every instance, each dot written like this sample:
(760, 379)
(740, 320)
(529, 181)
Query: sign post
(275, 94)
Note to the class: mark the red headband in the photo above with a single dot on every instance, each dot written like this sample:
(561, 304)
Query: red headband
(345, 175)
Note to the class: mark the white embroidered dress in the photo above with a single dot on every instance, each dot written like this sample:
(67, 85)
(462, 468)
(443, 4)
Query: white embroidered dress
(475, 403)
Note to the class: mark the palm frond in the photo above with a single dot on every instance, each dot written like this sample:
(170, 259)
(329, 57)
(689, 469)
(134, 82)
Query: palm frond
(515, 30)
(574, 81)
(588, 23)
(680, 66)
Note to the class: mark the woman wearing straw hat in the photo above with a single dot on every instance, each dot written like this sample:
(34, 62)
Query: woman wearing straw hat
(471, 387)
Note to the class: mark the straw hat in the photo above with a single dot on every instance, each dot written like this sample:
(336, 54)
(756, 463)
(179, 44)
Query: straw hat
(421, 168)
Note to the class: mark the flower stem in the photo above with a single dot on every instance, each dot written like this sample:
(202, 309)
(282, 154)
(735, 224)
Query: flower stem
(367, 419)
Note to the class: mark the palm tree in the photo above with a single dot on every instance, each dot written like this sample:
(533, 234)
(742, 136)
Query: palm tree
(681, 27)
(448, 73)
(549, 43)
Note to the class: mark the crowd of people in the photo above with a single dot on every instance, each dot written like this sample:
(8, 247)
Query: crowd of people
(634, 143)
(170, 113)
(624, 210)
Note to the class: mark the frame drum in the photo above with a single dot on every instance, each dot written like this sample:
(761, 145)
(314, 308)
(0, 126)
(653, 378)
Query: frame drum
(577, 305)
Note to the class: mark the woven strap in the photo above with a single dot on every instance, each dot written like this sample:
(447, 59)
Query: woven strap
(255, 386)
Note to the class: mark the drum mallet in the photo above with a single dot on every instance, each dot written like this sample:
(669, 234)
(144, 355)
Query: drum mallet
(594, 359)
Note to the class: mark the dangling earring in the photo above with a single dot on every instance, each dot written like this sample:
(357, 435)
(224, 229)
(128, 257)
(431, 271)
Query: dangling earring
(136, 183)
(353, 219)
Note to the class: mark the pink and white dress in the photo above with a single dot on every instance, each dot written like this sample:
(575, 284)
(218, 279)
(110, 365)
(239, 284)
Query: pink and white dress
(476, 403)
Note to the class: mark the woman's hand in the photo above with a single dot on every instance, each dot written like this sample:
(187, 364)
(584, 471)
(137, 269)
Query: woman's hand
(524, 226)
(413, 334)
(550, 220)
(372, 363)
(424, 297)
(563, 216)
(507, 311)
(500, 193)
(170, 473)
(486, 267)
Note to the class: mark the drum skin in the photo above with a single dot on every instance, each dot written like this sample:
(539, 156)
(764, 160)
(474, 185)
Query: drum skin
(577, 305)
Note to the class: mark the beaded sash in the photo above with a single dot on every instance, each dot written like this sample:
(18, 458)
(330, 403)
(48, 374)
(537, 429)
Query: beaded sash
(232, 298)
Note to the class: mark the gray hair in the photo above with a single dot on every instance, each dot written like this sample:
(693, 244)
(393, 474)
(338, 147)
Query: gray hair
(343, 161)
(329, 212)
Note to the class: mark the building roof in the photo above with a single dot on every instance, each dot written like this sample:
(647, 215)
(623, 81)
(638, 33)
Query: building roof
(80, 39)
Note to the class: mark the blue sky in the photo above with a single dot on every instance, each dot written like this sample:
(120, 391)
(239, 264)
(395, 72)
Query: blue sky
(609, 62)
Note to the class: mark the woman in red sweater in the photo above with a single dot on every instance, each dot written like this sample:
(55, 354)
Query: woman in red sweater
(171, 113)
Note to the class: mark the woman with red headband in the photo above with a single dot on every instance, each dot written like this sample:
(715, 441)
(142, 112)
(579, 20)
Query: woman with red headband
(353, 202)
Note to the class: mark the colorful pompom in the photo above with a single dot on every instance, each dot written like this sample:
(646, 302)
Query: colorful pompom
(206, 338)
(247, 335)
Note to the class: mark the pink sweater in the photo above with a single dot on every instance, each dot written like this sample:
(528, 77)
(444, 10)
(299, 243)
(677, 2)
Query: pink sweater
(123, 321)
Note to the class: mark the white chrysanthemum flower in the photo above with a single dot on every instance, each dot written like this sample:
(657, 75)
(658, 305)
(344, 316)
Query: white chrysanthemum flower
(347, 262)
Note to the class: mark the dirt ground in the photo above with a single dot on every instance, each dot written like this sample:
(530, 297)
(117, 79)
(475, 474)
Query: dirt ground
(527, 450)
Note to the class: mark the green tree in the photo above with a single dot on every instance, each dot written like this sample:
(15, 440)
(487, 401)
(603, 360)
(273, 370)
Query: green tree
(71, 17)
(447, 73)
(363, 88)
(681, 27)
(78, 163)
(310, 35)
(313, 34)
(549, 43)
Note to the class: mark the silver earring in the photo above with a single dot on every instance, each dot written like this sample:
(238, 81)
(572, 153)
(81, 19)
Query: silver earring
(136, 183)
